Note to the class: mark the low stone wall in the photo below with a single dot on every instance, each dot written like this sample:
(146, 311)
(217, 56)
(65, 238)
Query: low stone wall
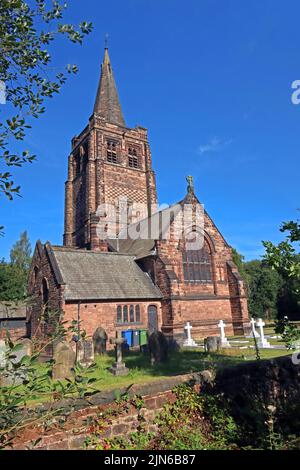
(267, 382)
(79, 422)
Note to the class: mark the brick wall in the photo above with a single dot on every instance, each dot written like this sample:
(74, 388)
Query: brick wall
(92, 180)
(78, 425)
(204, 304)
(41, 268)
(104, 314)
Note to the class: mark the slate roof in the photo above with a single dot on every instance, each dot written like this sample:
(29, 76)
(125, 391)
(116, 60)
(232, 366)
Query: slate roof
(107, 104)
(94, 275)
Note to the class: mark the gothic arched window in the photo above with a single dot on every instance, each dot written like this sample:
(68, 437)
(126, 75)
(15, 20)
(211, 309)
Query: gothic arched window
(133, 161)
(197, 265)
(111, 154)
(45, 298)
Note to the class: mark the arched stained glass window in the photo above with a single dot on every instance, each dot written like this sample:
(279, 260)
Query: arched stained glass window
(197, 266)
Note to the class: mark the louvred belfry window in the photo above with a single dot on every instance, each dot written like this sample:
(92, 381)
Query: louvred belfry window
(197, 265)
(112, 156)
(133, 161)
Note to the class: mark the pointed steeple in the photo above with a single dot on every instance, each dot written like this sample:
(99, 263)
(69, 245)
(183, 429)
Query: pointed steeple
(107, 103)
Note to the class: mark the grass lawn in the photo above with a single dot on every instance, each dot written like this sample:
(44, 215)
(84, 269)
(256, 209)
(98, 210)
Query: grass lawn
(181, 362)
(184, 361)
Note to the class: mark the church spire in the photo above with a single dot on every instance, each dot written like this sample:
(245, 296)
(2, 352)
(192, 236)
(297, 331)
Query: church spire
(107, 103)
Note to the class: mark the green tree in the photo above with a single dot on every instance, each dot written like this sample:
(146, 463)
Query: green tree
(264, 289)
(239, 260)
(13, 275)
(20, 254)
(264, 286)
(27, 29)
(285, 257)
(12, 282)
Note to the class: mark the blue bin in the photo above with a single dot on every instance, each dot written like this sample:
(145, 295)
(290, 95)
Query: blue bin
(127, 334)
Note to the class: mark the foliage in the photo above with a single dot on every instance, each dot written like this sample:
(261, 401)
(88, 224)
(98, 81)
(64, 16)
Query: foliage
(13, 275)
(12, 282)
(20, 253)
(264, 288)
(270, 293)
(285, 257)
(25, 381)
(27, 30)
(289, 332)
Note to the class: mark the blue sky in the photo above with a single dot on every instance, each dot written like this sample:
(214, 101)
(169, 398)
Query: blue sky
(211, 80)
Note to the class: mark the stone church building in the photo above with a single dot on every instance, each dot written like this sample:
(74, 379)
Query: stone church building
(99, 277)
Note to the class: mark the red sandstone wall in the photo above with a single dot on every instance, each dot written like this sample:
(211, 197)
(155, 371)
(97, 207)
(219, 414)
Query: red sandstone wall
(40, 261)
(102, 314)
(99, 181)
(205, 303)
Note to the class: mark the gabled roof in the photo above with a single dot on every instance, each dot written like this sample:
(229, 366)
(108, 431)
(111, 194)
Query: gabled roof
(107, 104)
(95, 275)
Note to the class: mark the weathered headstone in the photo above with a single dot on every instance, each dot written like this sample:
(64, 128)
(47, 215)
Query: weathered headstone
(27, 346)
(262, 343)
(158, 347)
(212, 344)
(100, 339)
(3, 349)
(224, 340)
(85, 352)
(64, 358)
(189, 342)
(253, 329)
(10, 376)
(118, 368)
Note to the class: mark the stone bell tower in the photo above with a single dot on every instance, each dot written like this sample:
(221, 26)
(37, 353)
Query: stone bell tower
(108, 163)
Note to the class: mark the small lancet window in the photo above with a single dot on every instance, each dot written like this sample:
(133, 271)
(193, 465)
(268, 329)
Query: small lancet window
(119, 314)
(111, 154)
(133, 161)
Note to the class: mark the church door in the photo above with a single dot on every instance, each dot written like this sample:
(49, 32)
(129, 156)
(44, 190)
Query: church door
(152, 319)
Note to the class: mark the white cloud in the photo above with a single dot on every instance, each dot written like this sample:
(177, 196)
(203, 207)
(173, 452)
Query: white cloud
(214, 145)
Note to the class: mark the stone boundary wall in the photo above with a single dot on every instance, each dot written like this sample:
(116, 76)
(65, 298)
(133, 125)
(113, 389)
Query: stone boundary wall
(275, 381)
(78, 425)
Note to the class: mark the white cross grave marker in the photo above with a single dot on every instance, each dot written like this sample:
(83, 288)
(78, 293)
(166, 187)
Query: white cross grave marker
(189, 340)
(224, 340)
(254, 332)
(262, 343)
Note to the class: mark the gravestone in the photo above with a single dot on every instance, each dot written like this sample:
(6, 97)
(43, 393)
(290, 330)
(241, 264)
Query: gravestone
(10, 376)
(100, 339)
(212, 344)
(224, 340)
(262, 343)
(27, 346)
(3, 349)
(254, 333)
(64, 358)
(189, 342)
(85, 352)
(158, 348)
(118, 368)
